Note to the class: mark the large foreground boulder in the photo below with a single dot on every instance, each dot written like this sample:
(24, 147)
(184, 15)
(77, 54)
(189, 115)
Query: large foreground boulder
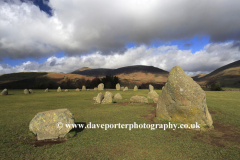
(99, 98)
(138, 99)
(84, 88)
(183, 100)
(135, 88)
(51, 124)
(118, 86)
(118, 96)
(26, 91)
(59, 89)
(107, 98)
(152, 94)
(101, 87)
(4, 92)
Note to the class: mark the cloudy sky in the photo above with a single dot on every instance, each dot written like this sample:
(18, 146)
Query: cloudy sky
(65, 35)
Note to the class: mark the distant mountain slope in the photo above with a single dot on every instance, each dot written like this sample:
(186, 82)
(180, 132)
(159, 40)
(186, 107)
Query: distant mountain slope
(196, 77)
(123, 70)
(227, 76)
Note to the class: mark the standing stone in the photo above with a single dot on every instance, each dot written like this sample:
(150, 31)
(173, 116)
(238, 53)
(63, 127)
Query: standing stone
(126, 88)
(101, 86)
(135, 88)
(30, 91)
(151, 88)
(138, 99)
(59, 89)
(46, 90)
(83, 88)
(99, 98)
(66, 90)
(183, 100)
(122, 88)
(95, 89)
(152, 94)
(4, 92)
(118, 86)
(107, 98)
(77, 89)
(26, 91)
(51, 124)
(155, 100)
(118, 96)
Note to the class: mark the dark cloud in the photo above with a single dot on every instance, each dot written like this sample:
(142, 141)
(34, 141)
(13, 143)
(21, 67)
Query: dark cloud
(79, 27)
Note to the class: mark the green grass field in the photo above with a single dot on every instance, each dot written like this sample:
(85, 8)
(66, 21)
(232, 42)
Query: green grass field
(17, 110)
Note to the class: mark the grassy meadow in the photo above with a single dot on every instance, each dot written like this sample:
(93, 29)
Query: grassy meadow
(17, 110)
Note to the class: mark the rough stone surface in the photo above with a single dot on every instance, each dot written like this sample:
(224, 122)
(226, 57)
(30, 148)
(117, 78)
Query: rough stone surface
(30, 91)
(4, 92)
(155, 100)
(99, 98)
(122, 88)
(183, 100)
(135, 88)
(152, 94)
(77, 89)
(84, 88)
(95, 89)
(26, 91)
(107, 98)
(118, 86)
(51, 124)
(138, 99)
(151, 88)
(46, 90)
(118, 96)
(94, 98)
(66, 90)
(59, 89)
(101, 86)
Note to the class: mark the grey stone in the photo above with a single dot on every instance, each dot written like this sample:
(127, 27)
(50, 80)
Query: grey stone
(183, 100)
(4, 92)
(118, 96)
(135, 88)
(138, 99)
(26, 91)
(152, 94)
(101, 87)
(46, 90)
(107, 98)
(51, 124)
(59, 89)
(99, 98)
(84, 88)
(118, 86)
(151, 88)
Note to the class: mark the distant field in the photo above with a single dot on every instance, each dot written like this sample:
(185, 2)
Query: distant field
(18, 109)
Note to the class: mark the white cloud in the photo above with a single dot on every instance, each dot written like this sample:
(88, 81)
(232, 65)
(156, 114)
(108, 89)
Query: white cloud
(210, 58)
(80, 27)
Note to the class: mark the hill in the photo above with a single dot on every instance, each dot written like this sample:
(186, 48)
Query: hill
(227, 76)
